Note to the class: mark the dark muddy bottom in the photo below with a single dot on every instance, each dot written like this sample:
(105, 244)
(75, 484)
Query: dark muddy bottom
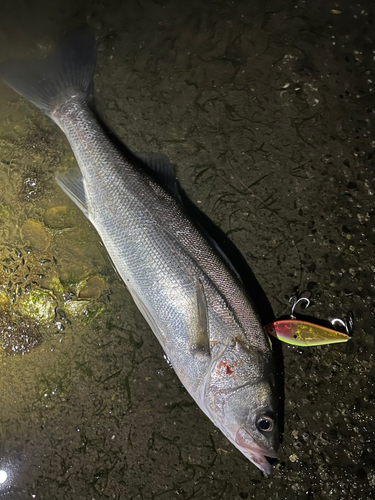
(267, 111)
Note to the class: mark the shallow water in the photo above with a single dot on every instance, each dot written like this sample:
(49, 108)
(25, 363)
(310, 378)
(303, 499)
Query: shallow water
(266, 109)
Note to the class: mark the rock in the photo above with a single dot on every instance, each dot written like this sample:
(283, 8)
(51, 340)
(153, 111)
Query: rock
(39, 238)
(39, 305)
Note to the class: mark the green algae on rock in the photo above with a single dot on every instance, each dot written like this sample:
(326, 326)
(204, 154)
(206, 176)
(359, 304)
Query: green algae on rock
(4, 302)
(56, 286)
(83, 310)
(40, 305)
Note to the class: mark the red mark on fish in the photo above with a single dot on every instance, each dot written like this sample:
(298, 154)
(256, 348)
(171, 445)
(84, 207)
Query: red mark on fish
(229, 371)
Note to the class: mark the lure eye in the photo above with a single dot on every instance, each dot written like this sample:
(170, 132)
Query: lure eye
(265, 423)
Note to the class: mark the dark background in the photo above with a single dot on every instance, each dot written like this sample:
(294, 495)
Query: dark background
(266, 108)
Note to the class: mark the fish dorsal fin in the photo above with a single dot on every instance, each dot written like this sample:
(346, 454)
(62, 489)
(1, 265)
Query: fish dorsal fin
(218, 248)
(72, 184)
(200, 341)
(163, 171)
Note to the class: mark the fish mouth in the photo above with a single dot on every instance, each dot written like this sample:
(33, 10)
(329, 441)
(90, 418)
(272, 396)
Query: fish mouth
(254, 452)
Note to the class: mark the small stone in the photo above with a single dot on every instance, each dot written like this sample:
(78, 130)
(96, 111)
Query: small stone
(60, 217)
(39, 305)
(91, 288)
(83, 310)
(37, 235)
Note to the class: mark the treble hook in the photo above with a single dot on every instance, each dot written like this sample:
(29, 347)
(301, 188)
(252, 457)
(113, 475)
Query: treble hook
(303, 333)
(346, 323)
(298, 301)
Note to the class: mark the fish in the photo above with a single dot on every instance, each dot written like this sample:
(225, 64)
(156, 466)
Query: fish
(199, 310)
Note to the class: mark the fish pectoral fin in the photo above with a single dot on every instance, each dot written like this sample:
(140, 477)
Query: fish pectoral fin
(163, 171)
(72, 184)
(200, 341)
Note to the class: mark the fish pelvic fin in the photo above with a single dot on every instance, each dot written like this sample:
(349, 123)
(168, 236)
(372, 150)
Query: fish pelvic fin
(68, 71)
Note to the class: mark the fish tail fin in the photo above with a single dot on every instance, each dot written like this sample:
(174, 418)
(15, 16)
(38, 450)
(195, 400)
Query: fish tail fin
(66, 72)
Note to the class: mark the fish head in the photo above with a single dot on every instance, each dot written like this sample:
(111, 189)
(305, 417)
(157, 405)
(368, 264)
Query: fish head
(240, 397)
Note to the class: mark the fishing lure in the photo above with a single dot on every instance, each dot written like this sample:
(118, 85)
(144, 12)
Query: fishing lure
(303, 333)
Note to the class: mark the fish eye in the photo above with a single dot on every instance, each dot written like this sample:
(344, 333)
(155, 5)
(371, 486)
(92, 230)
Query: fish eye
(265, 423)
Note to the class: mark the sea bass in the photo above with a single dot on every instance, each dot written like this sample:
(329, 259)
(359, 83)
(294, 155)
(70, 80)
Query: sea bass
(193, 301)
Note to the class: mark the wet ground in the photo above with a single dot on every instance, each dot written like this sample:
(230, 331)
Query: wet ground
(267, 111)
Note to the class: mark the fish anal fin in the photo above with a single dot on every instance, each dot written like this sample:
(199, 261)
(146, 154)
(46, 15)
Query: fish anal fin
(72, 184)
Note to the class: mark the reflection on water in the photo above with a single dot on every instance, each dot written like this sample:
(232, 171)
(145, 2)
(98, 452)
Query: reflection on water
(267, 113)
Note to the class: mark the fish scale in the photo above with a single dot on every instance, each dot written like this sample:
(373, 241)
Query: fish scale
(194, 303)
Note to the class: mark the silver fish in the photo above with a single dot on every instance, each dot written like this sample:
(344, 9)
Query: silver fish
(191, 298)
